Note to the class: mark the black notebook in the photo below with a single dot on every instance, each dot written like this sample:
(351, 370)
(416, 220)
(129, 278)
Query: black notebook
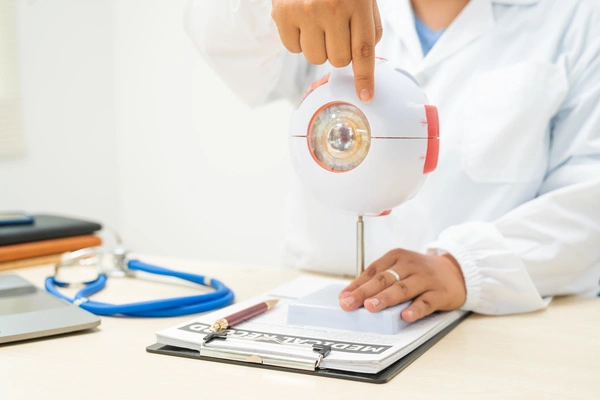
(46, 227)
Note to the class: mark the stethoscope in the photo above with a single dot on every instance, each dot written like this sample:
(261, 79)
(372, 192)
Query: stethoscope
(85, 267)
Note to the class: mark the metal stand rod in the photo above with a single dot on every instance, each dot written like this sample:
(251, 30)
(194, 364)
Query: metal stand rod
(360, 246)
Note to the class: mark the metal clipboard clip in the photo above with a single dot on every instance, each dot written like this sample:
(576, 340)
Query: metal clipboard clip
(265, 351)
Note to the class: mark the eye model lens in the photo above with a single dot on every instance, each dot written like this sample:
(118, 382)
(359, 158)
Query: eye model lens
(339, 137)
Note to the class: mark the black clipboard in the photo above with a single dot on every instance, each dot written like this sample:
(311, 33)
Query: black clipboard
(382, 376)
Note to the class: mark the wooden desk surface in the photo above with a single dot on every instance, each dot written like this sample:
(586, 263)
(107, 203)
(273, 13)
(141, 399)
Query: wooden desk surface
(553, 354)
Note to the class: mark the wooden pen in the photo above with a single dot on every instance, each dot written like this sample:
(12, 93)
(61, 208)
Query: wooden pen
(240, 316)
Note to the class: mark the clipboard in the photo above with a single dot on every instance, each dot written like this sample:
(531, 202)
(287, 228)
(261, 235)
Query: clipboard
(382, 376)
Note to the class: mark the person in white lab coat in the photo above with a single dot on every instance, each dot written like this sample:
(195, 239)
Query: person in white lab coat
(511, 216)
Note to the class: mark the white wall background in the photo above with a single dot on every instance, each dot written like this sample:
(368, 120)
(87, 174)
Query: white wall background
(126, 124)
(66, 79)
(201, 174)
(11, 138)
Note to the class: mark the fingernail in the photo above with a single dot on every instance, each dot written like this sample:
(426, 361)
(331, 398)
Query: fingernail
(409, 315)
(375, 301)
(348, 301)
(365, 96)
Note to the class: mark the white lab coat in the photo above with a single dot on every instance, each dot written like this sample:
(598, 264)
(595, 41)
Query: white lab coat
(516, 195)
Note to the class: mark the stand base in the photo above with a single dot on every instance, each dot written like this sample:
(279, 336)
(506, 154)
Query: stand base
(322, 309)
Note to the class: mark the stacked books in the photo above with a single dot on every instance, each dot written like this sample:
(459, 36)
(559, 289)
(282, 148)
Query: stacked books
(44, 240)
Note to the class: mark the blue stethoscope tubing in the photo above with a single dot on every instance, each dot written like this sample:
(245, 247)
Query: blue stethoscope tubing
(173, 307)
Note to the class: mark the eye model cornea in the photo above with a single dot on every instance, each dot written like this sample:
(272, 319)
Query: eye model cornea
(339, 137)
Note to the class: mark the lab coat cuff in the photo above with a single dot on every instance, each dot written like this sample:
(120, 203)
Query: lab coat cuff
(471, 273)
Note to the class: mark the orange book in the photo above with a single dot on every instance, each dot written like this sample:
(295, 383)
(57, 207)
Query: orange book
(52, 259)
(40, 248)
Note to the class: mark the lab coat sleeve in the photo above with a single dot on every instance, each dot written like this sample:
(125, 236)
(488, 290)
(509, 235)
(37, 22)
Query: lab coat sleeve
(240, 41)
(551, 244)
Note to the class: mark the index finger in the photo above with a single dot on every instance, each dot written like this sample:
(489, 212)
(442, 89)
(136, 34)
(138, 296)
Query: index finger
(362, 38)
